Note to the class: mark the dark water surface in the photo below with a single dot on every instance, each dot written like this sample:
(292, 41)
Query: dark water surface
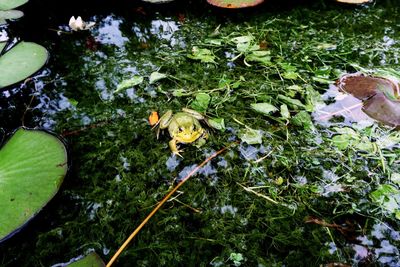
(303, 195)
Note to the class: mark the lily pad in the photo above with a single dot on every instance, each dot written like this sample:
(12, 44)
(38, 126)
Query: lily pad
(20, 62)
(362, 86)
(380, 96)
(9, 14)
(235, 3)
(380, 108)
(90, 260)
(354, 2)
(33, 164)
(10, 4)
(2, 45)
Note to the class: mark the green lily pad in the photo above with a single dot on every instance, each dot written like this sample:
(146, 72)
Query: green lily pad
(10, 4)
(90, 260)
(20, 62)
(33, 164)
(9, 14)
(2, 45)
(235, 3)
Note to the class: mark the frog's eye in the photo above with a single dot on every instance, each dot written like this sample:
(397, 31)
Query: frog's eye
(181, 129)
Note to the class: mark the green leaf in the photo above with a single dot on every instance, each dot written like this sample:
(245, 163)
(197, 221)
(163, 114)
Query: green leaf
(10, 4)
(156, 76)
(10, 14)
(395, 178)
(203, 54)
(250, 136)
(217, 123)
(129, 83)
(291, 101)
(20, 62)
(341, 141)
(33, 164)
(259, 56)
(285, 111)
(201, 102)
(303, 119)
(90, 260)
(264, 108)
(388, 197)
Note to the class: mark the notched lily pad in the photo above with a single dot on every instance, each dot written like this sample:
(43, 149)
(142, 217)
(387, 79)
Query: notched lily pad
(33, 164)
(362, 86)
(235, 3)
(20, 62)
(9, 14)
(380, 96)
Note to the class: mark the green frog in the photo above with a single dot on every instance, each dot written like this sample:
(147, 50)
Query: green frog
(184, 128)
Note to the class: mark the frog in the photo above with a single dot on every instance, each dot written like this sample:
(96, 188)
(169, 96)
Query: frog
(184, 128)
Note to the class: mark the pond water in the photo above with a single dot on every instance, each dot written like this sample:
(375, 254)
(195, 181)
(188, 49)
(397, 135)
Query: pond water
(304, 192)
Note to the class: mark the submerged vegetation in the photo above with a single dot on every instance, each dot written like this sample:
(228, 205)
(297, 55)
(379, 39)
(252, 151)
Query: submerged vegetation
(296, 191)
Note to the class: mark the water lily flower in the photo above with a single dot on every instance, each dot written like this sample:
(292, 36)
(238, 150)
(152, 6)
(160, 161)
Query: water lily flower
(78, 24)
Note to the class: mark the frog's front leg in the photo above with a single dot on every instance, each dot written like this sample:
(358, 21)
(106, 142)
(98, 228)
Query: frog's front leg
(163, 122)
(174, 148)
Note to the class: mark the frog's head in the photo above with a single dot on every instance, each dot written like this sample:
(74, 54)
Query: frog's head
(188, 133)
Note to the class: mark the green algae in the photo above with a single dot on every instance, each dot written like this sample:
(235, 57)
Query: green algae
(285, 57)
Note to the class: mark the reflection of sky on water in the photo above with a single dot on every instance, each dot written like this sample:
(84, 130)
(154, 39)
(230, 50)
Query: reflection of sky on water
(162, 29)
(344, 105)
(108, 32)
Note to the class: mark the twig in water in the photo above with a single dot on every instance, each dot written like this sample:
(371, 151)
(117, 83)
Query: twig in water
(134, 233)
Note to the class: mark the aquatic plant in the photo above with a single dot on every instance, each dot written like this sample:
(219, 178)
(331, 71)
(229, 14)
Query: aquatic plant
(20, 62)
(7, 12)
(33, 164)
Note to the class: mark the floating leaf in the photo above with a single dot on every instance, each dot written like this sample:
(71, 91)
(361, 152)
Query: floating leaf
(380, 96)
(10, 4)
(380, 108)
(20, 62)
(156, 76)
(201, 102)
(235, 3)
(90, 260)
(2, 45)
(388, 197)
(259, 56)
(264, 108)
(364, 87)
(251, 136)
(203, 54)
(157, 1)
(303, 119)
(291, 101)
(355, 2)
(217, 123)
(129, 83)
(10, 14)
(33, 164)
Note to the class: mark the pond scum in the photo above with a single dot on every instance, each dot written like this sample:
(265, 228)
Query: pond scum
(294, 192)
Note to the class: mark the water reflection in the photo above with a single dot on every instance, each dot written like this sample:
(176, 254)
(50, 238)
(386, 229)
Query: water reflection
(108, 32)
(342, 105)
